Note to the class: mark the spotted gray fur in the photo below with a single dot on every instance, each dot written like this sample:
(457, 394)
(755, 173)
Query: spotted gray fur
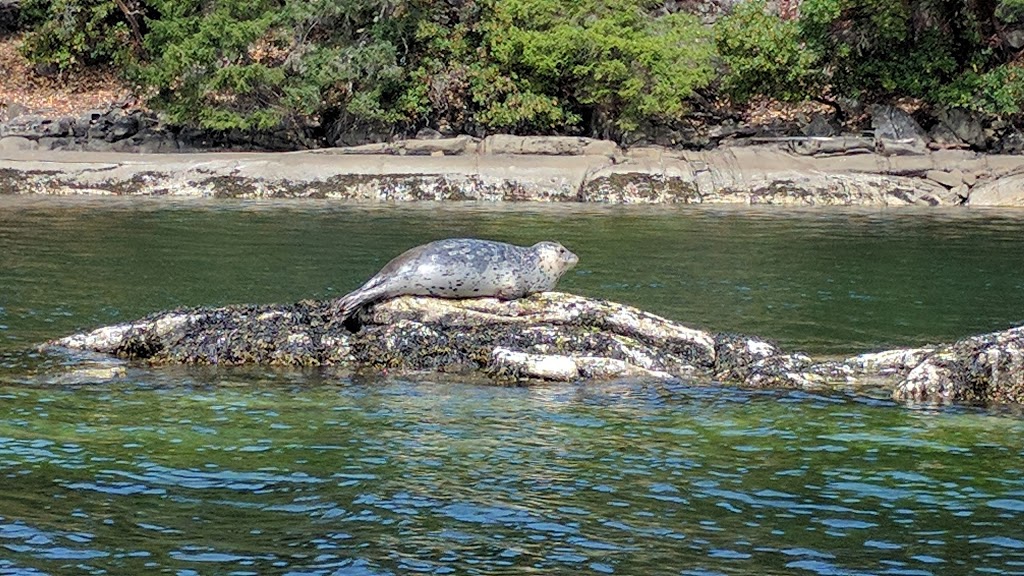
(464, 268)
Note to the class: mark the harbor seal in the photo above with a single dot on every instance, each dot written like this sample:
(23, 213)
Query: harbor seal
(464, 268)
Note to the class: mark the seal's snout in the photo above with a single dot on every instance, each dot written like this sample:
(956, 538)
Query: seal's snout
(569, 258)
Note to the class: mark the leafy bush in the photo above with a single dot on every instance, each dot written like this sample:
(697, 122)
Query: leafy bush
(241, 64)
(596, 67)
(879, 48)
(213, 63)
(999, 91)
(765, 55)
(458, 84)
(72, 33)
(1009, 11)
(610, 59)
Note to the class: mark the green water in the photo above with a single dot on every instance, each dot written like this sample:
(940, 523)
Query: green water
(256, 471)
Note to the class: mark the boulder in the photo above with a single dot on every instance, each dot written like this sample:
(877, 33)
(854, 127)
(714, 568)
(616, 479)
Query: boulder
(1014, 38)
(437, 146)
(986, 368)
(821, 126)
(896, 132)
(456, 146)
(34, 126)
(17, 144)
(942, 137)
(97, 145)
(958, 195)
(122, 127)
(964, 125)
(428, 134)
(949, 179)
(55, 143)
(152, 141)
(1010, 143)
(1005, 191)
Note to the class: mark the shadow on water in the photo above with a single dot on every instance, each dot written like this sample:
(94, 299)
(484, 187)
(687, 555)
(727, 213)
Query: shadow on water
(255, 471)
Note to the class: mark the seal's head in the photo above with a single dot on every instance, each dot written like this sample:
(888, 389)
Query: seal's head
(554, 260)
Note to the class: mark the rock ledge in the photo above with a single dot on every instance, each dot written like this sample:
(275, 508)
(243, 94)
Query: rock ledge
(548, 336)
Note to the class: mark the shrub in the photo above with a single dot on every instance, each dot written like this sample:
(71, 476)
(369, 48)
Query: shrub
(209, 63)
(241, 64)
(72, 33)
(878, 48)
(765, 55)
(459, 85)
(999, 91)
(609, 60)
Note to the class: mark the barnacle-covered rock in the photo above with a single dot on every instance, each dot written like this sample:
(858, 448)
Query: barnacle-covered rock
(547, 336)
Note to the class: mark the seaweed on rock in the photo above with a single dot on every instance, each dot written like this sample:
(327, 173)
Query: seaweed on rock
(546, 336)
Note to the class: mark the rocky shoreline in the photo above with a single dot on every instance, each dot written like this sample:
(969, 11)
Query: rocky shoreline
(544, 337)
(899, 163)
(807, 172)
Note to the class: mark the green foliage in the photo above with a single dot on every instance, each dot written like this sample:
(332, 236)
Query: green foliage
(596, 67)
(345, 57)
(205, 68)
(866, 49)
(73, 33)
(999, 91)
(241, 64)
(874, 48)
(608, 59)
(1010, 11)
(459, 84)
(765, 55)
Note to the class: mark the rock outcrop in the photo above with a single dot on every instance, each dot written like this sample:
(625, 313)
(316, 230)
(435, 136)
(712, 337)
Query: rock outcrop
(548, 336)
(594, 172)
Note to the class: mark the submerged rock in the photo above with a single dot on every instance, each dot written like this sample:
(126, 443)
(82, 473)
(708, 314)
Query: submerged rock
(547, 336)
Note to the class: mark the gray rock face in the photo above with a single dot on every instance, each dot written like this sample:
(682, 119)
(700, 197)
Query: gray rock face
(821, 126)
(1010, 143)
(1014, 38)
(86, 132)
(122, 127)
(965, 126)
(547, 146)
(943, 137)
(986, 368)
(741, 175)
(949, 179)
(17, 143)
(547, 336)
(1006, 191)
(132, 131)
(33, 126)
(897, 131)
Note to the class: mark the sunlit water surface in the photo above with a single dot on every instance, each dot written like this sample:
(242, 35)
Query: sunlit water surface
(256, 471)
